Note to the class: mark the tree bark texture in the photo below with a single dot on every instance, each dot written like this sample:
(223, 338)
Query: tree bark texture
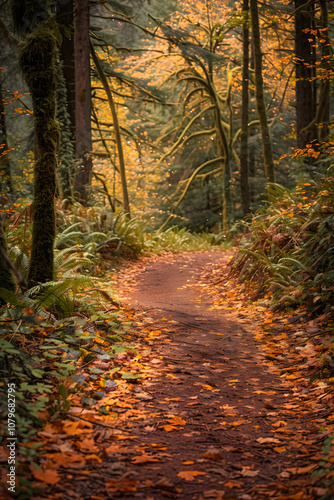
(244, 181)
(65, 17)
(38, 60)
(260, 103)
(305, 73)
(6, 186)
(83, 138)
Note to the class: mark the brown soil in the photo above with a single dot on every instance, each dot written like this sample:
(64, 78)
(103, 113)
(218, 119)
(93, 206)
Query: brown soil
(235, 422)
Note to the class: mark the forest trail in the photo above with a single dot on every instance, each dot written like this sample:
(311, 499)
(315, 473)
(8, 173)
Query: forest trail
(226, 426)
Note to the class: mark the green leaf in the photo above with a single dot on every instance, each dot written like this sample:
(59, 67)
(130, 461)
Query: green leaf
(8, 297)
(96, 370)
(131, 376)
(62, 391)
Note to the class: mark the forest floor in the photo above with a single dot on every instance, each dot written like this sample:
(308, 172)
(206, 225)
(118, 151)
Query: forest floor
(221, 412)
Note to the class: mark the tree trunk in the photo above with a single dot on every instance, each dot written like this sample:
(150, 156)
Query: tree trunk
(66, 98)
(261, 108)
(38, 59)
(104, 81)
(244, 182)
(305, 72)
(6, 186)
(65, 17)
(322, 117)
(7, 280)
(83, 138)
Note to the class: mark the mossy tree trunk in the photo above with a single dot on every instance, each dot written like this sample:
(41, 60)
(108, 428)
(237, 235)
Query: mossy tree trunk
(260, 103)
(38, 59)
(7, 280)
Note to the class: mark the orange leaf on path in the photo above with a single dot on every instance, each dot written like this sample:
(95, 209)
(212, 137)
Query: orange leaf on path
(301, 470)
(268, 440)
(189, 475)
(168, 428)
(229, 484)
(176, 421)
(143, 459)
(279, 449)
(48, 476)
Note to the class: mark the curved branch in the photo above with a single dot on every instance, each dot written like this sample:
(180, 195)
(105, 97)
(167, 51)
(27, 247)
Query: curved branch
(176, 145)
(237, 134)
(112, 106)
(189, 181)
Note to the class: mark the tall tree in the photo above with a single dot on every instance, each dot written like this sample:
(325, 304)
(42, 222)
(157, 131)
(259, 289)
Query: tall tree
(305, 72)
(322, 117)
(6, 186)
(66, 96)
(65, 19)
(83, 138)
(38, 59)
(244, 182)
(260, 102)
(104, 81)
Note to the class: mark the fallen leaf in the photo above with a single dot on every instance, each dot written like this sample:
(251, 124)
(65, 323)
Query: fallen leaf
(48, 476)
(279, 449)
(87, 445)
(124, 486)
(229, 484)
(176, 421)
(168, 428)
(245, 472)
(189, 475)
(213, 454)
(207, 387)
(188, 462)
(213, 494)
(297, 496)
(268, 440)
(279, 423)
(143, 459)
(301, 470)
(237, 423)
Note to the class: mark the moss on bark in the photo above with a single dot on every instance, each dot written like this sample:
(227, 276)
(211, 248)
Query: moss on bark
(7, 280)
(39, 64)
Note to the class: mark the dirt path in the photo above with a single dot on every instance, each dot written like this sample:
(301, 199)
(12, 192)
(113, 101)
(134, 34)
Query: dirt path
(223, 426)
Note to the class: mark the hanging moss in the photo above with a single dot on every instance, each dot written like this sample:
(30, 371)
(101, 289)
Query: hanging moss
(37, 55)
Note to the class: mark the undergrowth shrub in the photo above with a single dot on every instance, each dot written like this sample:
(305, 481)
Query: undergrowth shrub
(290, 247)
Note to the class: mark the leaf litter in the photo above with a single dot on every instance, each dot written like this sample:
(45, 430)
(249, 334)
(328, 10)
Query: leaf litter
(139, 416)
